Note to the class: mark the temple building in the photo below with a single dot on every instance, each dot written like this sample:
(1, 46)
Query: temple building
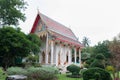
(59, 44)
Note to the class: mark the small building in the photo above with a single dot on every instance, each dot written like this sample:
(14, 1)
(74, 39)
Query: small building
(60, 46)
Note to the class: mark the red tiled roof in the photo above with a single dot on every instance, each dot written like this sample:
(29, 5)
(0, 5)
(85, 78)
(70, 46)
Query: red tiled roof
(57, 27)
(67, 40)
(62, 33)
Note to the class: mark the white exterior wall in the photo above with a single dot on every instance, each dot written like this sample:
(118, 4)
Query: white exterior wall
(80, 57)
(62, 54)
(69, 56)
(52, 49)
(55, 50)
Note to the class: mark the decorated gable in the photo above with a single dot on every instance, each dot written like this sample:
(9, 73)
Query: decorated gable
(40, 26)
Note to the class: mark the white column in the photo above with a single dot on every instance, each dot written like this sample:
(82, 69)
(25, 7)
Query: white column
(61, 55)
(52, 49)
(46, 54)
(75, 55)
(56, 55)
(80, 56)
(69, 56)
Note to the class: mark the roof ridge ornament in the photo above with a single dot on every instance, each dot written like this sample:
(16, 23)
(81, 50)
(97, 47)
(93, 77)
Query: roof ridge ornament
(38, 10)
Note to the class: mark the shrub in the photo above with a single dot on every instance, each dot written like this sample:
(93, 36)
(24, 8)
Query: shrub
(32, 58)
(86, 65)
(33, 73)
(30, 64)
(98, 63)
(2, 74)
(97, 74)
(89, 61)
(83, 70)
(73, 69)
(54, 69)
(16, 71)
(42, 73)
(100, 56)
(36, 64)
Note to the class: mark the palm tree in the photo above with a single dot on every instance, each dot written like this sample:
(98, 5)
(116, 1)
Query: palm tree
(85, 41)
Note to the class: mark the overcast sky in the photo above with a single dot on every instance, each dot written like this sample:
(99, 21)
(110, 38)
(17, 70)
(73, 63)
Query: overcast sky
(96, 19)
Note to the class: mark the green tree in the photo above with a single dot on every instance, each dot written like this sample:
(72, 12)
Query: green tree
(103, 48)
(35, 43)
(13, 44)
(85, 56)
(99, 61)
(11, 11)
(96, 74)
(89, 49)
(34, 48)
(115, 50)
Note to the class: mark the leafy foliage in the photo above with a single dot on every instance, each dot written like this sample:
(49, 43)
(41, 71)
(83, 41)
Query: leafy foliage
(89, 49)
(2, 74)
(35, 43)
(89, 61)
(103, 48)
(38, 73)
(115, 50)
(32, 58)
(85, 56)
(99, 61)
(82, 71)
(11, 11)
(100, 57)
(110, 69)
(97, 74)
(16, 71)
(98, 51)
(42, 73)
(73, 69)
(13, 44)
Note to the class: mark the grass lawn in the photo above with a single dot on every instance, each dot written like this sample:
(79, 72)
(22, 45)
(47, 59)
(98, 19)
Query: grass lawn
(63, 77)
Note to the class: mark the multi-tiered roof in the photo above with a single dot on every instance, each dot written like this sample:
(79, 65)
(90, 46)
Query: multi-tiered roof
(59, 31)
